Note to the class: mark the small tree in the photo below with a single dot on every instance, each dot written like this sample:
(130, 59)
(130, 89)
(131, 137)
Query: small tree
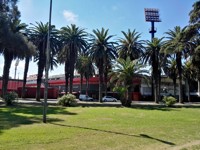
(123, 74)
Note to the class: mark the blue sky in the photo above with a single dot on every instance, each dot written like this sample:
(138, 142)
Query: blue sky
(115, 15)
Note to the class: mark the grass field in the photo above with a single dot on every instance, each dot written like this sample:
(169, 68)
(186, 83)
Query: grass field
(99, 128)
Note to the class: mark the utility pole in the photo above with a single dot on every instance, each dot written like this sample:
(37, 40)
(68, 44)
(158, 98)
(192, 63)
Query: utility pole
(47, 67)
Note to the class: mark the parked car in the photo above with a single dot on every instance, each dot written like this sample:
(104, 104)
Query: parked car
(83, 97)
(109, 99)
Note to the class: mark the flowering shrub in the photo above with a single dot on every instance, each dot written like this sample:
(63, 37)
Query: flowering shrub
(67, 100)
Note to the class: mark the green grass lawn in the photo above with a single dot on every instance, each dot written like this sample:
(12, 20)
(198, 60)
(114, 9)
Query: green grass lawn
(99, 128)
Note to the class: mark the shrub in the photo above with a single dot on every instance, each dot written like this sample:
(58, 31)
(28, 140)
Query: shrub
(10, 97)
(67, 100)
(169, 100)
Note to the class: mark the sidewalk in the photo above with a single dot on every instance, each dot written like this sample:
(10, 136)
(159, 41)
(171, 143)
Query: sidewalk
(95, 103)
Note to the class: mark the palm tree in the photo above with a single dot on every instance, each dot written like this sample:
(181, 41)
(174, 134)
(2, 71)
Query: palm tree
(123, 74)
(172, 72)
(196, 60)
(194, 13)
(85, 68)
(20, 48)
(74, 41)
(13, 44)
(38, 34)
(179, 45)
(153, 56)
(189, 73)
(102, 51)
(130, 45)
(195, 24)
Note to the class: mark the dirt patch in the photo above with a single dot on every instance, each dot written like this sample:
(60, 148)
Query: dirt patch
(186, 146)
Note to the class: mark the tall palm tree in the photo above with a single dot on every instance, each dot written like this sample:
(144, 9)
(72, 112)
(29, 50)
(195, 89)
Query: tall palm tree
(195, 23)
(102, 51)
(26, 66)
(13, 44)
(196, 59)
(130, 45)
(123, 74)
(179, 45)
(74, 40)
(38, 34)
(153, 56)
(20, 48)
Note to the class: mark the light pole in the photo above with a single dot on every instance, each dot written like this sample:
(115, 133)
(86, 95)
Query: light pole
(152, 15)
(16, 64)
(47, 67)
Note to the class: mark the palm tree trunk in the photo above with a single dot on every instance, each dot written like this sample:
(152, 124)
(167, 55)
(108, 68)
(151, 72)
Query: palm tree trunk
(189, 97)
(174, 83)
(155, 76)
(26, 67)
(100, 82)
(71, 80)
(128, 99)
(106, 81)
(179, 66)
(152, 87)
(41, 66)
(6, 69)
(66, 78)
(198, 81)
(198, 87)
(159, 84)
(87, 85)
(39, 82)
(81, 85)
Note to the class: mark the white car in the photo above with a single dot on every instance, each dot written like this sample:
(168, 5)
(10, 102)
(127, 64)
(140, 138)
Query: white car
(83, 97)
(109, 99)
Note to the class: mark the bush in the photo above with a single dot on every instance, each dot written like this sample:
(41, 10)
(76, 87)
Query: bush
(169, 100)
(10, 97)
(67, 100)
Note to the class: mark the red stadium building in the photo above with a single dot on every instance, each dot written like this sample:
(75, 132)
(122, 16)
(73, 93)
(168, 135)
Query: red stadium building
(13, 85)
(58, 82)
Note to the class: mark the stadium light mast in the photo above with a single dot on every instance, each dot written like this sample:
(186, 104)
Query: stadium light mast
(152, 15)
(47, 66)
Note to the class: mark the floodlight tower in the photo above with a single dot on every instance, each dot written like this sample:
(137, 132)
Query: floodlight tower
(152, 15)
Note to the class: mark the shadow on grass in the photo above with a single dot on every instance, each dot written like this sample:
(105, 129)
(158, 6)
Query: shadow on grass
(114, 132)
(15, 116)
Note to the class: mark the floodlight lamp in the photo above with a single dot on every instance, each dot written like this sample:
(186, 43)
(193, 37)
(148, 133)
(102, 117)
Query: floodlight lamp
(152, 15)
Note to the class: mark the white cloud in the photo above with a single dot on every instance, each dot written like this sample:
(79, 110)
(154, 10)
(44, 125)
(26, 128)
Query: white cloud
(70, 17)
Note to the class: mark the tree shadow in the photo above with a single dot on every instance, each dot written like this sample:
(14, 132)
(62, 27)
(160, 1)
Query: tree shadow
(15, 116)
(162, 141)
(115, 132)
